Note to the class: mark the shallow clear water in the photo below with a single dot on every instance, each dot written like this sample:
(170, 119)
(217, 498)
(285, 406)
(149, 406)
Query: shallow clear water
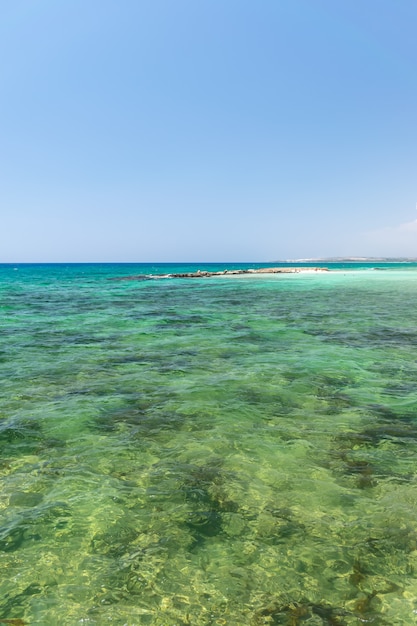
(230, 450)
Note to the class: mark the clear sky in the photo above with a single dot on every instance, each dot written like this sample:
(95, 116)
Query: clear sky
(207, 130)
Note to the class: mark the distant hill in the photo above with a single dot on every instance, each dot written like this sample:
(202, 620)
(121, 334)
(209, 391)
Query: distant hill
(353, 259)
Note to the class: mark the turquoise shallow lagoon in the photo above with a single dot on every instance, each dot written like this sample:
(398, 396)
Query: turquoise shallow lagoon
(229, 450)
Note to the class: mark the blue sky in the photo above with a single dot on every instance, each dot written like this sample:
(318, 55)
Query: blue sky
(207, 130)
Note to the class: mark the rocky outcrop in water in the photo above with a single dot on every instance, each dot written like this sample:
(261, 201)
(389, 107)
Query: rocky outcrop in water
(262, 270)
(207, 274)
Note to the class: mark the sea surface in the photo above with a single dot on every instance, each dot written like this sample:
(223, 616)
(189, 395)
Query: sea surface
(234, 450)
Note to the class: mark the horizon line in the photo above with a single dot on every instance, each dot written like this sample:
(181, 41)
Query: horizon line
(353, 259)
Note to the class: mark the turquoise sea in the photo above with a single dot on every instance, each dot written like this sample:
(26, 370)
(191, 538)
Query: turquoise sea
(235, 450)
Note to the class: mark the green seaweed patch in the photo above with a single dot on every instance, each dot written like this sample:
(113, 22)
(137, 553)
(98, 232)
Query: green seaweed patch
(329, 381)
(336, 402)
(202, 485)
(293, 375)
(295, 613)
(400, 388)
(18, 603)
(203, 524)
(20, 435)
(390, 336)
(331, 389)
(141, 418)
(206, 485)
(11, 538)
(115, 541)
(46, 339)
(382, 337)
(204, 489)
(384, 412)
(282, 513)
(396, 433)
(400, 432)
(342, 337)
(363, 471)
(277, 526)
(132, 569)
(360, 573)
(402, 540)
(30, 523)
(353, 463)
(132, 412)
(367, 606)
(269, 400)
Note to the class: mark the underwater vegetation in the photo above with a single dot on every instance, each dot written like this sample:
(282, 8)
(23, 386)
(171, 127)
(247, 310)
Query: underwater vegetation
(30, 523)
(24, 435)
(295, 613)
(17, 603)
(202, 489)
(209, 454)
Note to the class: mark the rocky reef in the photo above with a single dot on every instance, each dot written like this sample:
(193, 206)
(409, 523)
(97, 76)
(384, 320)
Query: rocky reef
(207, 274)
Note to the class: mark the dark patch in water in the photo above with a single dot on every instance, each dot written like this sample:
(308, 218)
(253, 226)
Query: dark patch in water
(115, 541)
(271, 402)
(160, 363)
(348, 461)
(293, 375)
(326, 381)
(156, 422)
(123, 359)
(402, 540)
(362, 470)
(139, 277)
(382, 412)
(18, 603)
(18, 430)
(400, 434)
(355, 452)
(344, 337)
(398, 428)
(25, 527)
(109, 421)
(226, 354)
(391, 335)
(180, 321)
(20, 436)
(336, 401)
(204, 485)
(205, 523)
(398, 388)
(366, 605)
(280, 513)
(204, 489)
(359, 574)
(12, 538)
(295, 613)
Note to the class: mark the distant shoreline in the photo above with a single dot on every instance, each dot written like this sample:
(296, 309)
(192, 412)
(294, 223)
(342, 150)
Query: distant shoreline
(352, 259)
(285, 262)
